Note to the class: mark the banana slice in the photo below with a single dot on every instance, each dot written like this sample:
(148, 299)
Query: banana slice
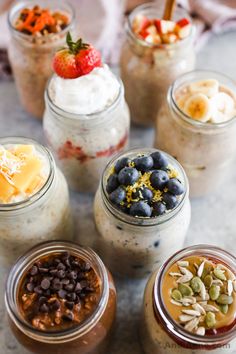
(198, 107)
(223, 107)
(180, 101)
(208, 87)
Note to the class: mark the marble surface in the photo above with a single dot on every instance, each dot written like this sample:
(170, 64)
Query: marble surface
(213, 218)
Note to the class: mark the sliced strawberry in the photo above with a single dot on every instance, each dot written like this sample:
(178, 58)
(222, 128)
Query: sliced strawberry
(140, 22)
(183, 28)
(169, 38)
(183, 22)
(143, 33)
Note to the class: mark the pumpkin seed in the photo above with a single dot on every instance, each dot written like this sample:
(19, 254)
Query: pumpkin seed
(224, 299)
(208, 280)
(196, 284)
(224, 309)
(185, 289)
(210, 319)
(219, 274)
(176, 295)
(214, 292)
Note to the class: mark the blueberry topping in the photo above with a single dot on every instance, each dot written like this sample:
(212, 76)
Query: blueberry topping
(121, 163)
(112, 183)
(140, 209)
(143, 163)
(159, 160)
(175, 186)
(158, 208)
(118, 195)
(170, 200)
(143, 193)
(128, 176)
(159, 179)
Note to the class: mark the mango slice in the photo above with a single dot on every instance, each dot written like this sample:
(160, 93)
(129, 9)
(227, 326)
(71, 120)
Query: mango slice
(35, 185)
(20, 150)
(28, 172)
(6, 190)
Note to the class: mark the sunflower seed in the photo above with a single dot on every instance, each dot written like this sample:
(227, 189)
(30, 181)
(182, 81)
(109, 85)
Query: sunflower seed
(203, 292)
(192, 312)
(199, 308)
(183, 263)
(173, 274)
(196, 265)
(185, 271)
(175, 302)
(200, 331)
(217, 282)
(200, 269)
(191, 299)
(185, 318)
(191, 325)
(210, 308)
(230, 287)
(234, 285)
(230, 274)
(203, 303)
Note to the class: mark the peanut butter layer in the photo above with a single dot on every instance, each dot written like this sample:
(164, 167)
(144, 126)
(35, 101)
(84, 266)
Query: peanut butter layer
(59, 292)
(199, 294)
(20, 172)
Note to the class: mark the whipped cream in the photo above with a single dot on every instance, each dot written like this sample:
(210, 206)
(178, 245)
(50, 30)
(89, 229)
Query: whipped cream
(86, 94)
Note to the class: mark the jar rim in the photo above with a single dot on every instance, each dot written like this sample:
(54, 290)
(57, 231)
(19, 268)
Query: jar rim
(171, 326)
(91, 118)
(19, 5)
(25, 261)
(142, 221)
(172, 103)
(151, 5)
(48, 182)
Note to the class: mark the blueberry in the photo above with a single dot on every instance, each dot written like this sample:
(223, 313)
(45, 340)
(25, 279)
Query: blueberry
(159, 160)
(170, 200)
(143, 163)
(158, 208)
(112, 183)
(121, 163)
(143, 193)
(118, 195)
(140, 209)
(175, 186)
(159, 179)
(128, 176)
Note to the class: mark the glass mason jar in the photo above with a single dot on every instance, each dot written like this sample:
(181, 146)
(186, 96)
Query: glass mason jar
(161, 335)
(43, 216)
(91, 336)
(31, 57)
(139, 244)
(205, 150)
(83, 144)
(148, 70)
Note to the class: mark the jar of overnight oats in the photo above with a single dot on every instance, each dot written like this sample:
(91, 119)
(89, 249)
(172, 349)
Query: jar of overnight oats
(197, 126)
(36, 33)
(83, 143)
(154, 55)
(61, 298)
(142, 211)
(34, 198)
(190, 304)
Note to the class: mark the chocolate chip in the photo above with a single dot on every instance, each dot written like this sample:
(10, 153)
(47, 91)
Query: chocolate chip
(53, 271)
(62, 293)
(38, 290)
(69, 305)
(85, 266)
(42, 300)
(71, 297)
(68, 316)
(65, 281)
(88, 289)
(43, 270)
(78, 287)
(30, 287)
(61, 274)
(34, 270)
(56, 284)
(61, 266)
(55, 305)
(67, 263)
(45, 284)
(44, 308)
(84, 283)
(69, 287)
(72, 274)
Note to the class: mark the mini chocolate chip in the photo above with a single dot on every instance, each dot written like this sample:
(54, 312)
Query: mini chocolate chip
(62, 293)
(80, 276)
(61, 266)
(34, 270)
(38, 290)
(53, 271)
(72, 274)
(61, 274)
(75, 263)
(71, 296)
(47, 293)
(85, 266)
(42, 300)
(43, 270)
(30, 287)
(69, 287)
(44, 308)
(84, 283)
(55, 305)
(81, 295)
(56, 261)
(69, 305)
(78, 287)
(68, 316)
(67, 263)
(45, 284)
(88, 289)
(65, 281)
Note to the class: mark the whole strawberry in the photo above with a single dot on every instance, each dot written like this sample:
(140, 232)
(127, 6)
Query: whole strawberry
(76, 60)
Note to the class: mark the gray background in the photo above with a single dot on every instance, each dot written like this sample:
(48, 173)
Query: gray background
(213, 218)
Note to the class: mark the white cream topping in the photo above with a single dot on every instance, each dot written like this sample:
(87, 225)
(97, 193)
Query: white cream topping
(86, 94)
